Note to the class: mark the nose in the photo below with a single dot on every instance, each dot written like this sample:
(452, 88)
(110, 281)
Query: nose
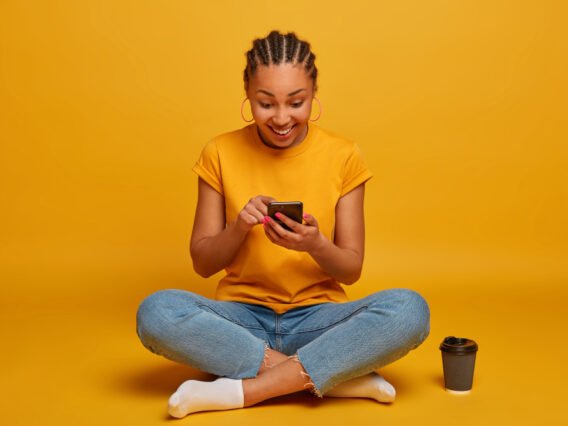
(281, 117)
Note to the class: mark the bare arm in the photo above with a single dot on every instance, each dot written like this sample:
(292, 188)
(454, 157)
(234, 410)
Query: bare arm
(214, 246)
(342, 258)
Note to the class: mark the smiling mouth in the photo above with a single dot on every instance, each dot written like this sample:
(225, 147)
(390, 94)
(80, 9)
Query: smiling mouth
(282, 132)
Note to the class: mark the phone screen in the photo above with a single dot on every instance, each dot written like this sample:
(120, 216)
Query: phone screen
(291, 209)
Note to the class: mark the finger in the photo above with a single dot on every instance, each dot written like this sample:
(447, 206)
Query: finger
(261, 202)
(280, 232)
(253, 211)
(292, 224)
(310, 220)
(250, 219)
(286, 237)
(270, 233)
(275, 238)
(266, 199)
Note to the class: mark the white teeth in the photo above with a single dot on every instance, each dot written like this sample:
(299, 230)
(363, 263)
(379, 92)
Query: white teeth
(283, 132)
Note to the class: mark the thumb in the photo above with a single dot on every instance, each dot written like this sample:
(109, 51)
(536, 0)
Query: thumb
(266, 199)
(310, 220)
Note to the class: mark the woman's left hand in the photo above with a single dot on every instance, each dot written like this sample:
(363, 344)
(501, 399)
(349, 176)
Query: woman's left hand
(303, 237)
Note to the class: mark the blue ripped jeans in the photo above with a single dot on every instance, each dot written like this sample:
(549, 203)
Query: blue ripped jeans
(334, 342)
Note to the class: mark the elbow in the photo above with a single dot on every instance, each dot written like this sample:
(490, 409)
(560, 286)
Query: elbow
(198, 266)
(353, 271)
(200, 269)
(202, 272)
(351, 279)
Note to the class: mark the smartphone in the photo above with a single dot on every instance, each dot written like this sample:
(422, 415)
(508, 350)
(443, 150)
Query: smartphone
(291, 209)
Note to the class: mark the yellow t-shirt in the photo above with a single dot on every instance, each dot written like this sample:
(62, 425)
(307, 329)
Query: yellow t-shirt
(318, 171)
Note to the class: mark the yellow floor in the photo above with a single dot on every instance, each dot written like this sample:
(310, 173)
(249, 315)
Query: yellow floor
(459, 108)
(72, 361)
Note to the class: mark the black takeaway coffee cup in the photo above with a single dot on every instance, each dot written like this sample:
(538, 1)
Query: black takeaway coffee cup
(458, 359)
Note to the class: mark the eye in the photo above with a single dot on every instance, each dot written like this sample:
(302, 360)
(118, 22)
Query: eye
(263, 105)
(297, 104)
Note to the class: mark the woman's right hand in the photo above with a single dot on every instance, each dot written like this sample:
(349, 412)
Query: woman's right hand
(253, 213)
(214, 243)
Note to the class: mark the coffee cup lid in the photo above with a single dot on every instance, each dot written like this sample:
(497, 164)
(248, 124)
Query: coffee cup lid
(458, 345)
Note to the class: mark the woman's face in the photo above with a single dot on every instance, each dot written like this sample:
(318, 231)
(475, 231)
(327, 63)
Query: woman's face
(281, 103)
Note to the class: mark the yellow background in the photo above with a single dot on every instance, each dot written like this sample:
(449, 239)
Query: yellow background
(459, 107)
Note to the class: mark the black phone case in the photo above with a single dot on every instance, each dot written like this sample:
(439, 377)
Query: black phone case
(291, 209)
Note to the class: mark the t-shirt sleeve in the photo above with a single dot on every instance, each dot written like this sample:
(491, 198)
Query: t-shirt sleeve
(208, 167)
(356, 171)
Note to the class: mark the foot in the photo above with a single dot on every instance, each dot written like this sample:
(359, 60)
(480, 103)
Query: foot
(372, 386)
(193, 396)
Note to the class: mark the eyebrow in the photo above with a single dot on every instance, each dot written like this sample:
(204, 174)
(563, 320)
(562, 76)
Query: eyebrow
(295, 92)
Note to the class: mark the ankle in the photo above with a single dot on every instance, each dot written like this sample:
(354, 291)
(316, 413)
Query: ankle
(271, 359)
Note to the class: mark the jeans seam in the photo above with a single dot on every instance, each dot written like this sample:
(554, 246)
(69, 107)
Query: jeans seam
(311, 330)
(277, 332)
(199, 305)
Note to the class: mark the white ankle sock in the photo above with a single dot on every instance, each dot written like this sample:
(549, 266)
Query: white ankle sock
(372, 385)
(193, 396)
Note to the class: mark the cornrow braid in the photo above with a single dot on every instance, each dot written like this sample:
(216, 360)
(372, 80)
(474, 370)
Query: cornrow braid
(261, 52)
(291, 45)
(277, 48)
(304, 50)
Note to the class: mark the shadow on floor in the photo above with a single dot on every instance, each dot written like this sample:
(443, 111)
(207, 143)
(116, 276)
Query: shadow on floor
(162, 380)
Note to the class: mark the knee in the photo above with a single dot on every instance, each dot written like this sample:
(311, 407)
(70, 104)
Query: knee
(147, 314)
(411, 310)
(416, 314)
(153, 313)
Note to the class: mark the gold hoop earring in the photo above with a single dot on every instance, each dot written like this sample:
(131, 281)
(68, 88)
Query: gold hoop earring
(242, 113)
(320, 110)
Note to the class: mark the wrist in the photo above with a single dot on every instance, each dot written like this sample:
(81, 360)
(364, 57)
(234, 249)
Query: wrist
(319, 246)
(240, 227)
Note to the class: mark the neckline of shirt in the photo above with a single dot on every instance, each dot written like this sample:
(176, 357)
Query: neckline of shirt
(287, 152)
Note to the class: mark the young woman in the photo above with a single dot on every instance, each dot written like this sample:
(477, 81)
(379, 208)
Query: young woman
(281, 321)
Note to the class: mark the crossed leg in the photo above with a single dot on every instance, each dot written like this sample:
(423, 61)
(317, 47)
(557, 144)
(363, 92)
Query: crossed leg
(371, 385)
(287, 376)
(278, 375)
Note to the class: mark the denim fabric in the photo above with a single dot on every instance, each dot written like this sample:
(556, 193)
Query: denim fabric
(334, 342)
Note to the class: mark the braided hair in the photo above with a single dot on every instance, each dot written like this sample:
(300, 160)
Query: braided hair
(278, 48)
